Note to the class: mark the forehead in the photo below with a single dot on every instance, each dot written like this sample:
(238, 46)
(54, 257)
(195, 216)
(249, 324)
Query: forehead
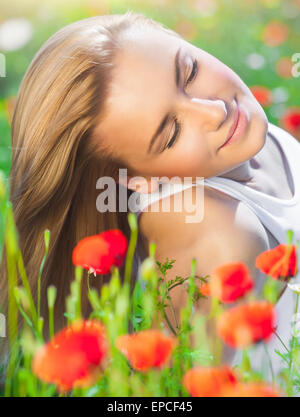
(141, 89)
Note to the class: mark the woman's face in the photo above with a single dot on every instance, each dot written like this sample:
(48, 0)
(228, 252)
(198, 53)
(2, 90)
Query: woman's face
(201, 94)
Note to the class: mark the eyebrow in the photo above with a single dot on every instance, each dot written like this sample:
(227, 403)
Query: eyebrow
(166, 119)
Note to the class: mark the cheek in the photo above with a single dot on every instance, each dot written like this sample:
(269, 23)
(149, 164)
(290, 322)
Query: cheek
(192, 159)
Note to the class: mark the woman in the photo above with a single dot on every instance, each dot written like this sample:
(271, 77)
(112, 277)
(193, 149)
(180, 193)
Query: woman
(122, 91)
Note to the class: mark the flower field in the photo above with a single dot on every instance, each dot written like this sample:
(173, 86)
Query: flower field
(129, 346)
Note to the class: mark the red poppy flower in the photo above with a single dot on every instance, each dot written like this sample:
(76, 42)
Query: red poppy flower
(146, 349)
(275, 33)
(73, 357)
(252, 389)
(262, 94)
(279, 262)
(98, 253)
(118, 245)
(208, 381)
(290, 121)
(228, 282)
(246, 324)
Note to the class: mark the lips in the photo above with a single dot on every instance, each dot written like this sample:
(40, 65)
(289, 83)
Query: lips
(234, 124)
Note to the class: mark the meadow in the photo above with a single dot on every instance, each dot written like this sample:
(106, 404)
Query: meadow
(99, 355)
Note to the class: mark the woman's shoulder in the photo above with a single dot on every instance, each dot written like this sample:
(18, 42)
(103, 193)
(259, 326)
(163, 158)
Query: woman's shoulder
(221, 215)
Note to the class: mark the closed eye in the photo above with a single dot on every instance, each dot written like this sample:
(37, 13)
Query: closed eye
(176, 133)
(176, 122)
(193, 73)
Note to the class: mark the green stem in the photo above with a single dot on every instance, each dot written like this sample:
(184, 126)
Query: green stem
(132, 220)
(169, 323)
(51, 323)
(289, 236)
(154, 382)
(171, 304)
(27, 319)
(88, 281)
(282, 342)
(39, 296)
(245, 364)
(216, 345)
(174, 316)
(78, 278)
(11, 259)
(213, 307)
(26, 285)
(12, 365)
(186, 314)
(293, 338)
(183, 280)
(178, 283)
(51, 296)
(46, 240)
(270, 362)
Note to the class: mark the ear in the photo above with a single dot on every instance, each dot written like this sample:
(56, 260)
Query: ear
(140, 184)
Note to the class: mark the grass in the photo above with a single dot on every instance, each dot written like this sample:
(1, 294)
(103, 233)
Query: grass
(119, 311)
(235, 26)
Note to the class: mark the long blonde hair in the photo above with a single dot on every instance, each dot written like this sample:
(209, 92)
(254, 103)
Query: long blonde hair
(56, 161)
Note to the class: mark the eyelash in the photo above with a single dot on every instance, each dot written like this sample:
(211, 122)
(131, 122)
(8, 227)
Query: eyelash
(177, 124)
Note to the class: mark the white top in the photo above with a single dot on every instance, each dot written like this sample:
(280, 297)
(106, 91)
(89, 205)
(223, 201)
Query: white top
(277, 216)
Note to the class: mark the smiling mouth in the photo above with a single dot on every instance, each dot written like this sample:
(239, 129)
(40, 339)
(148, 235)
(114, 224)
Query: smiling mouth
(234, 124)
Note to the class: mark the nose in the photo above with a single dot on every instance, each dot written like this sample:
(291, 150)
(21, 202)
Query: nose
(212, 113)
